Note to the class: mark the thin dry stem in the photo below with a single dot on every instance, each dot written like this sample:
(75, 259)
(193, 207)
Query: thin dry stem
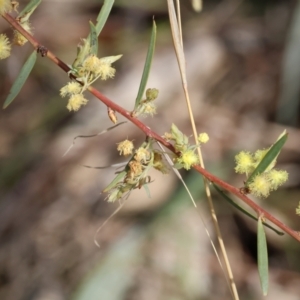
(178, 44)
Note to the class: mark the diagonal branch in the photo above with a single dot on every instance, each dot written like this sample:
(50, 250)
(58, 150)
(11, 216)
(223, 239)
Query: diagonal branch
(148, 132)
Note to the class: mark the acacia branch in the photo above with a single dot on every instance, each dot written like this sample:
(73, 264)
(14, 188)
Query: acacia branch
(148, 132)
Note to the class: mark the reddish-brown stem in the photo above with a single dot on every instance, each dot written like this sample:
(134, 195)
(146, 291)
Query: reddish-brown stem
(260, 211)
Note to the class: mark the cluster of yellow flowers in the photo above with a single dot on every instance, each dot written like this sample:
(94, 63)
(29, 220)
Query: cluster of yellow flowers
(92, 69)
(19, 39)
(5, 47)
(188, 157)
(145, 157)
(135, 174)
(263, 183)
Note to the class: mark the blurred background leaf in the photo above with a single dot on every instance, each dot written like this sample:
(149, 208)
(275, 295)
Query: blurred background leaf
(288, 104)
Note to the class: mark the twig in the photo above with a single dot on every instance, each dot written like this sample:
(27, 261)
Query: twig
(148, 132)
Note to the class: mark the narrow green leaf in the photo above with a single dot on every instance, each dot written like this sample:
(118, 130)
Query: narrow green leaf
(90, 44)
(262, 257)
(147, 66)
(20, 80)
(118, 178)
(287, 110)
(268, 159)
(99, 168)
(146, 187)
(103, 15)
(230, 201)
(93, 38)
(28, 10)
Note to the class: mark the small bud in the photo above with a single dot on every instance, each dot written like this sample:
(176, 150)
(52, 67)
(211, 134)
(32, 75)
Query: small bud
(203, 138)
(151, 94)
(112, 115)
